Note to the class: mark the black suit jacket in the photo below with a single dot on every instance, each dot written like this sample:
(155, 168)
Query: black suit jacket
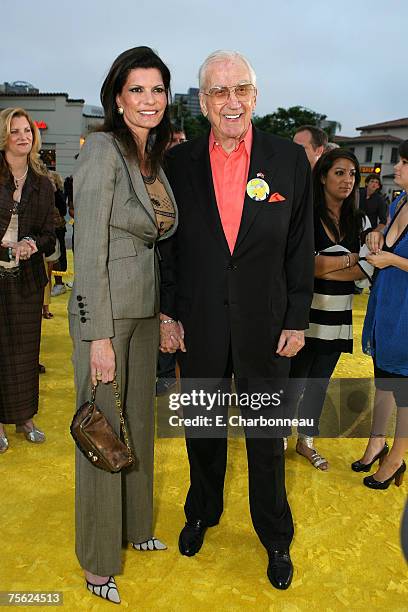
(374, 207)
(246, 298)
(35, 219)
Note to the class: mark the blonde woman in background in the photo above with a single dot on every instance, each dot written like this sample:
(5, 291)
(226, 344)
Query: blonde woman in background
(26, 234)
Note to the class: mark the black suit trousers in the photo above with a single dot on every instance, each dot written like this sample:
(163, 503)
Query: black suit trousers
(270, 511)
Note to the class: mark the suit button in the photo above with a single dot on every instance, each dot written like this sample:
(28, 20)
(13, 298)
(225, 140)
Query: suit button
(81, 305)
(83, 320)
(149, 245)
(79, 298)
(82, 312)
(232, 267)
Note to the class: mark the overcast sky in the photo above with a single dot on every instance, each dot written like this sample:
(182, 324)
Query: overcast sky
(345, 59)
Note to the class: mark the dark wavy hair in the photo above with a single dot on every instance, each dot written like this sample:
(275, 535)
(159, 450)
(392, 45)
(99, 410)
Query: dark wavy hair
(160, 136)
(373, 177)
(403, 149)
(351, 219)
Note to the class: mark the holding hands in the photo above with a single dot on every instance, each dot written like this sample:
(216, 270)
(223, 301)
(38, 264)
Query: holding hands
(171, 335)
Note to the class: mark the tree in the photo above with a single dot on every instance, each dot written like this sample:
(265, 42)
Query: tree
(195, 126)
(183, 120)
(284, 122)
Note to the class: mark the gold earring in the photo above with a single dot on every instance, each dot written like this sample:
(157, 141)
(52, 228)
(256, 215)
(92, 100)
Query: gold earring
(120, 110)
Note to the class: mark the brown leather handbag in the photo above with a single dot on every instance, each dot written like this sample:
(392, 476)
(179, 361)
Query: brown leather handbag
(96, 439)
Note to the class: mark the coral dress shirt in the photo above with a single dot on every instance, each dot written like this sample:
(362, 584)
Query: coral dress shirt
(230, 176)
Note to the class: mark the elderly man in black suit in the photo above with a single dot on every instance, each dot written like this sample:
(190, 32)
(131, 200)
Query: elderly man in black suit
(238, 275)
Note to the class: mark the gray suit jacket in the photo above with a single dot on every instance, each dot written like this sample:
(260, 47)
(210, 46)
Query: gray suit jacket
(116, 267)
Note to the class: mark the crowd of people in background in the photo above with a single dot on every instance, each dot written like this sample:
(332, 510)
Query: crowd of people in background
(216, 299)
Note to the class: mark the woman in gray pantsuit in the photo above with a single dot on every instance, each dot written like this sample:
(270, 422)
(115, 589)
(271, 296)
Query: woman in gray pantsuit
(123, 205)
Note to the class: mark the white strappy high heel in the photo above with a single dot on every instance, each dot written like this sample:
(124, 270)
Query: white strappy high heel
(108, 590)
(150, 544)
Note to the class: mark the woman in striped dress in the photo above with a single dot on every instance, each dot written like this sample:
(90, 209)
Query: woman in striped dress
(338, 228)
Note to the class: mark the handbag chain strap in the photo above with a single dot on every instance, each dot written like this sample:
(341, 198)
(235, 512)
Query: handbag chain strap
(118, 404)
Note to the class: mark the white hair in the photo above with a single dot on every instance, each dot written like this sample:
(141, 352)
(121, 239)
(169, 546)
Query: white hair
(222, 55)
(330, 146)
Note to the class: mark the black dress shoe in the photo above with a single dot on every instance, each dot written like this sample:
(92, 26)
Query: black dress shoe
(358, 466)
(191, 537)
(280, 569)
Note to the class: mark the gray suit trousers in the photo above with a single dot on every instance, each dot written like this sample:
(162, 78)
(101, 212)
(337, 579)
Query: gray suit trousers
(113, 509)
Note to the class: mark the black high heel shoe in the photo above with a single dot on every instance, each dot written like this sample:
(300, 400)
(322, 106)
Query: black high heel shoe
(358, 466)
(398, 476)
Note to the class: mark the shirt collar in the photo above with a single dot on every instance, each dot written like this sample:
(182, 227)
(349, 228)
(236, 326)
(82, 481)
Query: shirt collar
(247, 140)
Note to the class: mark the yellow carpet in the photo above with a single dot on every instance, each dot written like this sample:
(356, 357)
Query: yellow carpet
(346, 549)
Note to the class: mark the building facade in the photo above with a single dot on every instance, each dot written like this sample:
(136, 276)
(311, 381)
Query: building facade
(189, 101)
(18, 87)
(63, 122)
(378, 144)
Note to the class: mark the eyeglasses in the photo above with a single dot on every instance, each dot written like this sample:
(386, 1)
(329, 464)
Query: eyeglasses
(220, 95)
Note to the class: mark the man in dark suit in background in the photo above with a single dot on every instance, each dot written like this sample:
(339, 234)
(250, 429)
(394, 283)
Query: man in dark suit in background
(239, 277)
(314, 141)
(373, 203)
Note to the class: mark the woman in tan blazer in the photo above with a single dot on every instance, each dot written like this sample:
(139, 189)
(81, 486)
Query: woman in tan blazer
(123, 206)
